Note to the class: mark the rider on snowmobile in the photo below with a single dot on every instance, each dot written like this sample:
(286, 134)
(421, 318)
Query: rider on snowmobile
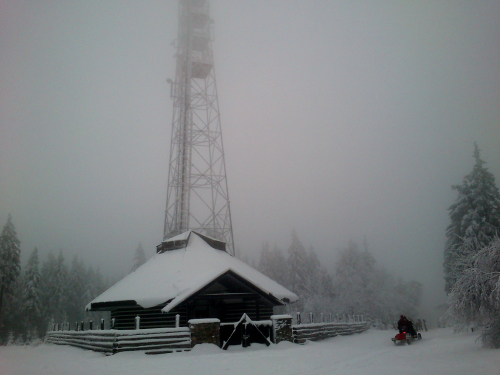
(405, 324)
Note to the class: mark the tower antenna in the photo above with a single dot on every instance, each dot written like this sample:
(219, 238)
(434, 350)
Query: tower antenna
(197, 191)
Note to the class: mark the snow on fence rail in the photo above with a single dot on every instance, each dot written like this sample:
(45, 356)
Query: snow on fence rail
(326, 326)
(319, 331)
(152, 341)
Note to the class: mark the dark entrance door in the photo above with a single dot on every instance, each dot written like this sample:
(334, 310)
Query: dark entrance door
(244, 333)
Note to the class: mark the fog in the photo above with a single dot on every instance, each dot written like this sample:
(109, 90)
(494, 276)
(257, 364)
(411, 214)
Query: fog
(340, 119)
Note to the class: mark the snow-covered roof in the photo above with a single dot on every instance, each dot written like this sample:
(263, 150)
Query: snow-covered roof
(175, 275)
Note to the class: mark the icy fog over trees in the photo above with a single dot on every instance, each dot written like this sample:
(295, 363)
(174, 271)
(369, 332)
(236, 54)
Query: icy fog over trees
(355, 285)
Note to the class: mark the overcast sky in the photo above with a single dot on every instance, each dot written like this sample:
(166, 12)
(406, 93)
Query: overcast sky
(341, 119)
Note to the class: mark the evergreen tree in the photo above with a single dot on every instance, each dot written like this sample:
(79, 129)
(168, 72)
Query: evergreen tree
(475, 219)
(280, 266)
(265, 261)
(46, 285)
(139, 258)
(31, 294)
(54, 275)
(90, 286)
(76, 292)
(297, 265)
(362, 288)
(10, 260)
(273, 264)
(13, 320)
(354, 275)
(60, 289)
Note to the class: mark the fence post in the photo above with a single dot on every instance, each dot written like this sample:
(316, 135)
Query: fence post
(76, 326)
(298, 318)
(90, 325)
(102, 324)
(83, 326)
(137, 322)
(330, 318)
(177, 321)
(311, 317)
(112, 324)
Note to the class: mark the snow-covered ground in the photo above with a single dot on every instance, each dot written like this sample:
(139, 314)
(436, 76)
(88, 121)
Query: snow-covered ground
(440, 352)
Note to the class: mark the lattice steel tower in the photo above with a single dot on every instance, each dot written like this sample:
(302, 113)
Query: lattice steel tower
(197, 193)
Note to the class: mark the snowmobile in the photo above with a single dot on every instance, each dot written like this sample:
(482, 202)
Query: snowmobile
(406, 337)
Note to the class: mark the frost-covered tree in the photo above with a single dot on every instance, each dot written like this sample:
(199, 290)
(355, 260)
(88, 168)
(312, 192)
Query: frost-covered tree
(475, 219)
(297, 265)
(475, 297)
(10, 260)
(265, 260)
(362, 288)
(317, 293)
(31, 302)
(13, 320)
(280, 266)
(306, 278)
(95, 286)
(354, 281)
(139, 258)
(60, 288)
(77, 287)
(273, 264)
(54, 277)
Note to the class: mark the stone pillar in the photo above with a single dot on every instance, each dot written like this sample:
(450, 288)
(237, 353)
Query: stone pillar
(204, 331)
(282, 328)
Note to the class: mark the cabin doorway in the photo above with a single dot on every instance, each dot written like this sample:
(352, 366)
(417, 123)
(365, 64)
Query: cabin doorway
(245, 332)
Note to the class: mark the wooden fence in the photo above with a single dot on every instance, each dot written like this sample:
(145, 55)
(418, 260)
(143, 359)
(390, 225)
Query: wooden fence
(152, 341)
(168, 340)
(322, 326)
(319, 331)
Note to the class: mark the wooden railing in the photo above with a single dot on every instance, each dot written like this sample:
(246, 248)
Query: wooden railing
(152, 341)
(319, 331)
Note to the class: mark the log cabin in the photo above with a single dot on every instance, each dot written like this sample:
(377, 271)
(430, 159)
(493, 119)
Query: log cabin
(191, 275)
